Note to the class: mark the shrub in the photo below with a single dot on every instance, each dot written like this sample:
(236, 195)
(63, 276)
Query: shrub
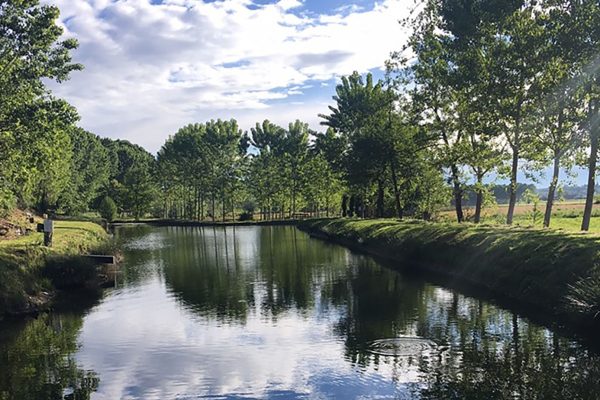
(7, 201)
(108, 209)
(246, 216)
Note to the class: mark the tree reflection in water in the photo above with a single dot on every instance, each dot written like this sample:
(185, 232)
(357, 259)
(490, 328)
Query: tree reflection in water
(483, 352)
(258, 277)
(36, 361)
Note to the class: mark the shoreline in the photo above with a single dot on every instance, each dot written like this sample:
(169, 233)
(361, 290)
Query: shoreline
(175, 222)
(495, 262)
(32, 277)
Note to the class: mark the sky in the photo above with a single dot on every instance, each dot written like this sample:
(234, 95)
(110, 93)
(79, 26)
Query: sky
(153, 66)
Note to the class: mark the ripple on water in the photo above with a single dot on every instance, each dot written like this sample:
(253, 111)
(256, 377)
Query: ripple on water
(403, 346)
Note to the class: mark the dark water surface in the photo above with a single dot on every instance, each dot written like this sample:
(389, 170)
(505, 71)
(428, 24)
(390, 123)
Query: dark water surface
(267, 312)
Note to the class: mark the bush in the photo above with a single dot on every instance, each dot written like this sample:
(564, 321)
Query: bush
(108, 209)
(7, 202)
(246, 216)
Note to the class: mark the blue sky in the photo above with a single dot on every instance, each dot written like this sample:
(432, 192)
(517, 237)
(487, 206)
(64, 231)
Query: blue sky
(153, 66)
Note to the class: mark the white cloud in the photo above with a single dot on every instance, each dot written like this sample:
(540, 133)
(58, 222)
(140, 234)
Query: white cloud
(151, 68)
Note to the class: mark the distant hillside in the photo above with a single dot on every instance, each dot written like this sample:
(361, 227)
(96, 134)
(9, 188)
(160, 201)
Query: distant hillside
(569, 192)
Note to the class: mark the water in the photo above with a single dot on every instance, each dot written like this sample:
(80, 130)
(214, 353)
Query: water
(267, 312)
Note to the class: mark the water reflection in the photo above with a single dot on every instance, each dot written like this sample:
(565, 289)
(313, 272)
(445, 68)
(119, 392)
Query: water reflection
(36, 360)
(261, 312)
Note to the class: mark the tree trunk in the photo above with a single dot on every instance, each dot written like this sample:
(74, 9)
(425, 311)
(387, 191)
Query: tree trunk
(213, 207)
(293, 210)
(195, 211)
(552, 190)
(380, 199)
(457, 193)
(224, 210)
(478, 199)
(202, 207)
(396, 192)
(589, 198)
(512, 200)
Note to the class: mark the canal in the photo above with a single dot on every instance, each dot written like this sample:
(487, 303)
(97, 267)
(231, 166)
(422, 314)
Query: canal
(267, 312)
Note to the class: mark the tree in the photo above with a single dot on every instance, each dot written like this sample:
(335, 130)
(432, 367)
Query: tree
(140, 191)
(131, 184)
(295, 152)
(89, 171)
(519, 55)
(433, 97)
(224, 142)
(359, 116)
(576, 34)
(108, 209)
(182, 165)
(31, 134)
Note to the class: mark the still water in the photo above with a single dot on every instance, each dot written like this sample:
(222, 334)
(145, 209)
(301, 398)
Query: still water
(267, 312)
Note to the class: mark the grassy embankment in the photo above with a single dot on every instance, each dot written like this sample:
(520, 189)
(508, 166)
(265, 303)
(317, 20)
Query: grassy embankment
(545, 270)
(30, 272)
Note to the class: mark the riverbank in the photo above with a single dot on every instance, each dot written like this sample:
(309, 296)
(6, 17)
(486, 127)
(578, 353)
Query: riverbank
(31, 274)
(178, 222)
(548, 271)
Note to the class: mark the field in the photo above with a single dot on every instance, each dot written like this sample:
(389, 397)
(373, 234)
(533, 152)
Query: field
(566, 215)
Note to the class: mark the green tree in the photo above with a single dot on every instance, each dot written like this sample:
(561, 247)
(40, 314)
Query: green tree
(575, 29)
(89, 172)
(295, 153)
(360, 113)
(132, 177)
(140, 191)
(433, 96)
(108, 209)
(519, 60)
(32, 138)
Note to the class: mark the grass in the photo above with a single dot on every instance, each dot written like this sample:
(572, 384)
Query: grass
(565, 216)
(546, 269)
(22, 262)
(70, 237)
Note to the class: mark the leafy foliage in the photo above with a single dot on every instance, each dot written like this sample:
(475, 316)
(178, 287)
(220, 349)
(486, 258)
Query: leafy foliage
(108, 209)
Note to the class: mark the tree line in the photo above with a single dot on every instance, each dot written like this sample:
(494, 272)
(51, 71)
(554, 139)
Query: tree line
(483, 89)
(498, 84)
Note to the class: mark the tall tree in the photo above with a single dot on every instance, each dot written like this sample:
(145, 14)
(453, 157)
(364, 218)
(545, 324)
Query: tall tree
(89, 172)
(433, 95)
(31, 121)
(576, 28)
(359, 115)
(518, 52)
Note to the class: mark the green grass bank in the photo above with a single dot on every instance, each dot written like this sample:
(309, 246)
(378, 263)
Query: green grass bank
(549, 271)
(30, 273)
